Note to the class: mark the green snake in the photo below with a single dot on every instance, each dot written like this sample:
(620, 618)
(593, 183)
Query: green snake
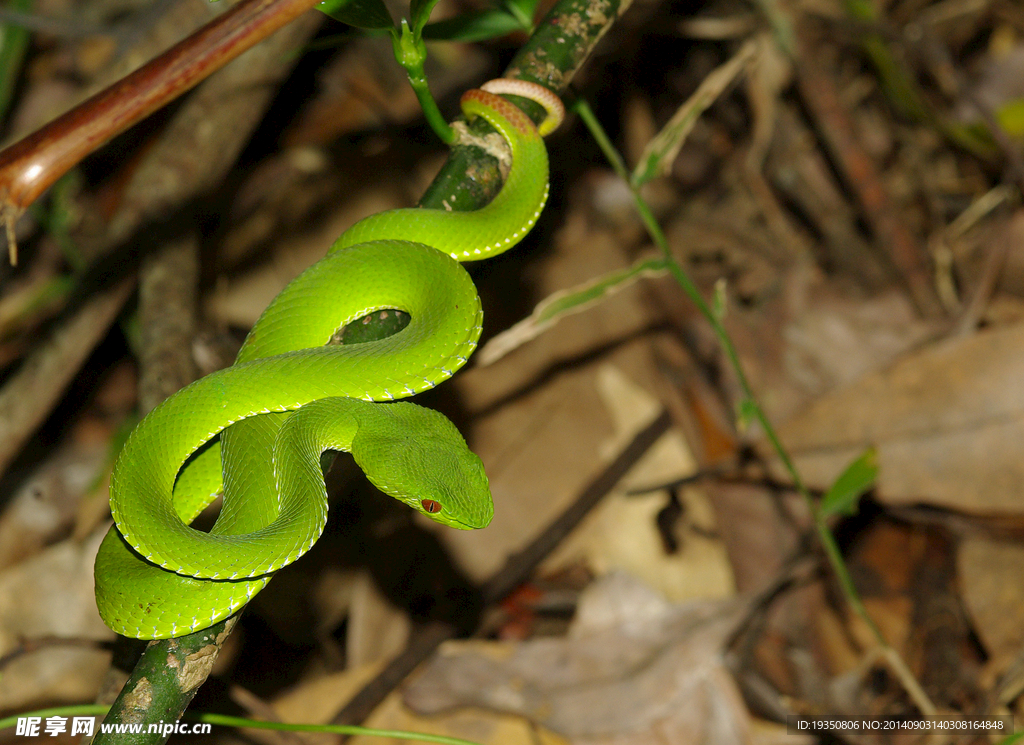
(255, 431)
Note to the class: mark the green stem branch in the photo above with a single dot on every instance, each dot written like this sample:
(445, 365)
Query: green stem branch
(831, 548)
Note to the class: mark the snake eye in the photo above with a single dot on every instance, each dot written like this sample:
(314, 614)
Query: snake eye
(430, 506)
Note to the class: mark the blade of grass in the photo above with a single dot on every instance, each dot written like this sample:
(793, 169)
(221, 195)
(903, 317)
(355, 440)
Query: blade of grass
(657, 157)
(13, 45)
(565, 302)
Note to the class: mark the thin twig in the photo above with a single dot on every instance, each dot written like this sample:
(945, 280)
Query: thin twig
(936, 54)
(167, 316)
(859, 171)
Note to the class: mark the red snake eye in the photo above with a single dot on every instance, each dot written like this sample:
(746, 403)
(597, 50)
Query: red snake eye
(430, 506)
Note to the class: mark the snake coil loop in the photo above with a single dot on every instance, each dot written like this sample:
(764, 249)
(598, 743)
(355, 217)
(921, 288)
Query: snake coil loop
(288, 397)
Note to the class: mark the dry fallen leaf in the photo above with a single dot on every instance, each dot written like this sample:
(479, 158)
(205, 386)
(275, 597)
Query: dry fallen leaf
(992, 584)
(946, 420)
(622, 531)
(320, 699)
(45, 506)
(633, 669)
(51, 594)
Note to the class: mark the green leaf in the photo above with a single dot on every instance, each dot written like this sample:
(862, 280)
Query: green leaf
(480, 26)
(662, 150)
(564, 302)
(411, 53)
(1011, 117)
(1013, 739)
(847, 490)
(420, 10)
(720, 300)
(360, 13)
(746, 414)
(522, 11)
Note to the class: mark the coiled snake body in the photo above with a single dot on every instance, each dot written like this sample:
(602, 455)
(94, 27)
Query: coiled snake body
(291, 394)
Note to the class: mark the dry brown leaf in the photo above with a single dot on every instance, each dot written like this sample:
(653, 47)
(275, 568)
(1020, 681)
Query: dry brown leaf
(622, 532)
(946, 420)
(319, 699)
(837, 340)
(992, 585)
(633, 669)
(377, 630)
(52, 595)
(973, 238)
(45, 506)
(760, 530)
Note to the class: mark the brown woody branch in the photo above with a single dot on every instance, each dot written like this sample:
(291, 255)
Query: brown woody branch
(33, 164)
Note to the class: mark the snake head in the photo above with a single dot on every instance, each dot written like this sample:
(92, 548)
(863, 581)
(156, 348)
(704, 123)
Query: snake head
(418, 457)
